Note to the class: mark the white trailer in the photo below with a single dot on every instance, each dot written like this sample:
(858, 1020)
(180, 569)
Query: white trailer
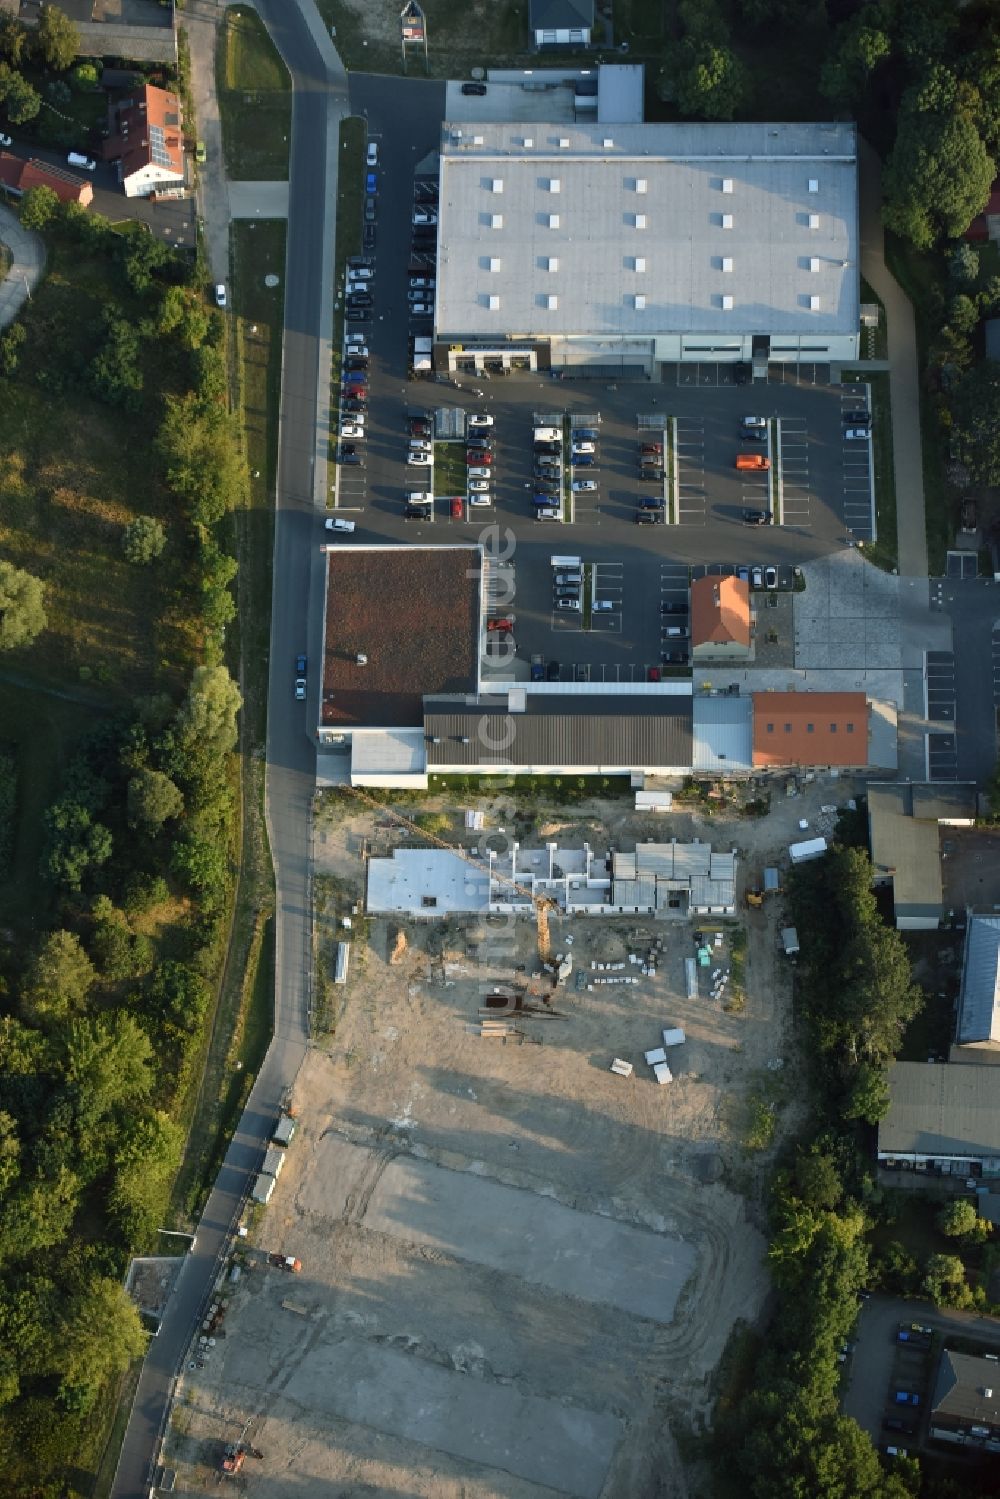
(811, 848)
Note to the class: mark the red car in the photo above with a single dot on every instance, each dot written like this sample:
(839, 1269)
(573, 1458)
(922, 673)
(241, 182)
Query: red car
(651, 447)
(653, 675)
(500, 624)
(419, 427)
(477, 460)
(456, 510)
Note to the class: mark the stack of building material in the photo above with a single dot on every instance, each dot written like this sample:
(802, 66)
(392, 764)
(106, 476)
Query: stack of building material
(620, 1068)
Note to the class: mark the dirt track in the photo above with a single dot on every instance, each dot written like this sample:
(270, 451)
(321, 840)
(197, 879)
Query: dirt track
(515, 1263)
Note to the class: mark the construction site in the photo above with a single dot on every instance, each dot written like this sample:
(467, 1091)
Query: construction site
(521, 1212)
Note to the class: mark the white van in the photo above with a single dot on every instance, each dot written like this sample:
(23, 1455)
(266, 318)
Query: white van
(339, 525)
(77, 159)
(419, 497)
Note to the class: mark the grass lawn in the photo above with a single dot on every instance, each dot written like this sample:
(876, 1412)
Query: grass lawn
(350, 191)
(254, 99)
(450, 469)
(461, 34)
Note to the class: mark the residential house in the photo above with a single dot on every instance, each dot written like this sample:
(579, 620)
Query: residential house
(147, 141)
(561, 23)
(720, 619)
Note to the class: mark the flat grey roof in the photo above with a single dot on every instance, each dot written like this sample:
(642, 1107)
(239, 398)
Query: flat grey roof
(979, 1001)
(723, 733)
(787, 242)
(558, 730)
(940, 1109)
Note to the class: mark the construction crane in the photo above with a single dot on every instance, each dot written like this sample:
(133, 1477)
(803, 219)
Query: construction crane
(543, 904)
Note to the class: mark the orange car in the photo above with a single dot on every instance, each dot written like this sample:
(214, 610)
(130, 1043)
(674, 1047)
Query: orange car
(752, 461)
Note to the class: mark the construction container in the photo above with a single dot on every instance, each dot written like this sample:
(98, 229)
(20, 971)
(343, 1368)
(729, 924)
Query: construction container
(810, 848)
(274, 1161)
(789, 941)
(675, 1037)
(283, 1130)
(662, 1073)
(343, 958)
(263, 1187)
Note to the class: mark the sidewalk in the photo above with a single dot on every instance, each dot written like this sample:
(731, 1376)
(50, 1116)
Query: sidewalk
(201, 20)
(904, 378)
(29, 262)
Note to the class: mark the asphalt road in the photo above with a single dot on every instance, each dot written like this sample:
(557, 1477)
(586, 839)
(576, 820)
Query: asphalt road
(319, 102)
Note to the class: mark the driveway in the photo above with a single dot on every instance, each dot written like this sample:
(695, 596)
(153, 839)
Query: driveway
(28, 253)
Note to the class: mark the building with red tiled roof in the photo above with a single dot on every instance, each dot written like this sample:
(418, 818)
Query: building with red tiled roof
(18, 176)
(147, 141)
(810, 728)
(720, 619)
(986, 225)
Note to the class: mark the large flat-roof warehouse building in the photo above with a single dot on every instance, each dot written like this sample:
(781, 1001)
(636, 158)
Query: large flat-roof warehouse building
(629, 246)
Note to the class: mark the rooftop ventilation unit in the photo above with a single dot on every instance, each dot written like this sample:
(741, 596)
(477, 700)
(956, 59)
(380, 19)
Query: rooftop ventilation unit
(727, 264)
(361, 659)
(814, 263)
(477, 140)
(496, 220)
(528, 142)
(640, 302)
(814, 304)
(551, 302)
(814, 184)
(814, 221)
(555, 186)
(727, 304)
(564, 143)
(639, 264)
(553, 263)
(608, 143)
(497, 185)
(494, 262)
(640, 221)
(553, 221)
(494, 302)
(641, 185)
(727, 221)
(727, 184)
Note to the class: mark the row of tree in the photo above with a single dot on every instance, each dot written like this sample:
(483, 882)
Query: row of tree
(49, 46)
(105, 1017)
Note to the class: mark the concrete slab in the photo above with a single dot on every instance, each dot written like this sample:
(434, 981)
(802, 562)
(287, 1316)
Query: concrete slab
(574, 1254)
(258, 200)
(493, 1426)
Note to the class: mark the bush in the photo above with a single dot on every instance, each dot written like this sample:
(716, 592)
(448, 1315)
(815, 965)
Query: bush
(144, 540)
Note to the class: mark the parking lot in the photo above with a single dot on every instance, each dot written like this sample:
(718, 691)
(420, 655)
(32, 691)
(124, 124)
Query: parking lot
(818, 489)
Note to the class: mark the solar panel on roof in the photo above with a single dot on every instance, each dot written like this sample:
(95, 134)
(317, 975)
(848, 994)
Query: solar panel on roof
(158, 146)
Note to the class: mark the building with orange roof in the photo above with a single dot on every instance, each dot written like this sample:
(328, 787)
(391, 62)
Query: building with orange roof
(720, 619)
(19, 176)
(147, 141)
(810, 728)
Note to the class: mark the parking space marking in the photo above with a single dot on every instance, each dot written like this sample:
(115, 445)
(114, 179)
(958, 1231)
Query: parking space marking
(939, 688)
(794, 462)
(996, 664)
(689, 456)
(607, 584)
(858, 489)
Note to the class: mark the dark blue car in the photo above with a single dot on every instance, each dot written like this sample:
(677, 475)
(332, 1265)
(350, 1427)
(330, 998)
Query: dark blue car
(371, 183)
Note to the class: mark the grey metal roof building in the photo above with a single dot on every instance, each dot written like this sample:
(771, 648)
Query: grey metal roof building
(967, 1392)
(561, 734)
(683, 240)
(979, 998)
(941, 1116)
(722, 734)
(660, 875)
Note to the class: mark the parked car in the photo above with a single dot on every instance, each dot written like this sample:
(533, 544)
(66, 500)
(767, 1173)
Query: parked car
(896, 1451)
(537, 669)
(905, 1397)
(859, 418)
(358, 314)
(422, 283)
(672, 607)
(650, 450)
(421, 445)
(479, 444)
(505, 622)
(651, 475)
(480, 419)
(348, 453)
(552, 672)
(369, 237)
(360, 273)
(770, 577)
(415, 512)
(754, 421)
(371, 183)
(550, 513)
(356, 354)
(753, 434)
(582, 447)
(5, 140)
(585, 434)
(584, 460)
(894, 1423)
(548, 449)
(352, 429)
(479, 473)
(474, 88)
(602, 606)
(913, 1339)
(422, 309)
(856, 434)
(757, 578)
(970, 520)
(583, 486)
(674, 658)
(420, 459)
(220, 295)
(354, 403)
(648, 517)
(922, 1327)
(478, 459)
(424, 217)
(653, 674)
(479, 486)
(457, 509)
(480, 499)
(369, 210)
(420, 427)
(571, 604)
(755, 517)
(339, 524)
(77, 159)
(371, 155)
(741, 373)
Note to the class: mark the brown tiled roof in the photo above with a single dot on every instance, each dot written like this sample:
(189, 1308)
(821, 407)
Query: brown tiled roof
(22, 175)
(414, 613)
(148, 132)
(720, 611)
(810, 728)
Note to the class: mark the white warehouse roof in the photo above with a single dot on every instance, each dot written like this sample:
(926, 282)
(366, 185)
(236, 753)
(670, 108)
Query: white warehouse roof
(658, 194)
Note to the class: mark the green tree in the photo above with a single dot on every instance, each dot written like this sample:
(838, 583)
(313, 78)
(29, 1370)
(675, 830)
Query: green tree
(10, 1154)
(86, 77)
(938, 174)
(57, 981)
(38, 207)
(207, 720)
(115, 372)
(13, 39)
(119, 952)
(817, 1179)
(963, 263)
(22, 607)
(144, 539)
(976, 409)
(143, 256)
(100, 1333)
(75, 844)
(183, 313)
(868, 1098)
(203, 463)
(963, 314)
(859, 46)
(153, 799)
(944, 1281)
(20, 101)
(11, 344)
(958, 1218)
(57, 40)
(896, 1269)
(705, 78)
(144, 1166)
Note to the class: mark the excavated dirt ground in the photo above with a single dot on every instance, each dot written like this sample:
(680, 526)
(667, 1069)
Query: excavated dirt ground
(519, 1270)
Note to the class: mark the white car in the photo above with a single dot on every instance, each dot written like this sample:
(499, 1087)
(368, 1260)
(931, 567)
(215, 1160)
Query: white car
(352, 429)
(583, 486)
(480, 499)
(422, 283)
(420, 458)
(220, 294)
(601, 606)
(757, 578)
(480, 419)
(422, 309)
(5, 140)
(571, 604)
(420, 445)
(480, 473)
(857, 434)
(419, 497)
(754, 421)
(371, 155)
(357, 351)
(424, 216)
(479, 486)
(584, 447)
(340, 525)
(548, 434)
(360, 273)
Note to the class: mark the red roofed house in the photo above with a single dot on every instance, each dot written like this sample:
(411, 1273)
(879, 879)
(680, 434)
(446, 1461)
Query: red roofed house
(810, 728)
(19, 176)
(986, 225)
(147, 141)
(720, 619)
